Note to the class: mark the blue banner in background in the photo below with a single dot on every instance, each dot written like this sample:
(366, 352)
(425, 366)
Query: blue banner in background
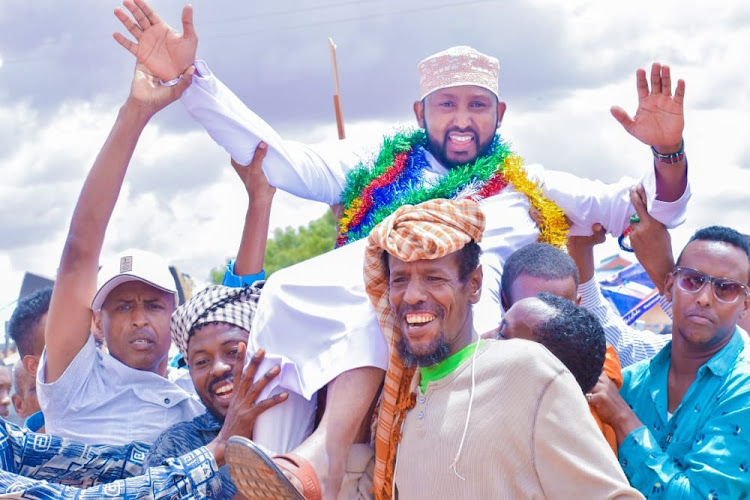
(631, 291)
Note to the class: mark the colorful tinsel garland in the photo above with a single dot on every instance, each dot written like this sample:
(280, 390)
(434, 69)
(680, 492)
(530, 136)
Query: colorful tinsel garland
(375, 191)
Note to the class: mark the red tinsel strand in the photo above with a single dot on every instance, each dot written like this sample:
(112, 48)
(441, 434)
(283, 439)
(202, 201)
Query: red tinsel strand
(494, 185)
(388, 177)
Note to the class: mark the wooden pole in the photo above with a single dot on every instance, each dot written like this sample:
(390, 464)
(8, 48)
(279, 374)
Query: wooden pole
(337, 95)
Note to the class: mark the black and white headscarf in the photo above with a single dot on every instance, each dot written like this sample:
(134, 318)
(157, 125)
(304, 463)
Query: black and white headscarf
(214, 304)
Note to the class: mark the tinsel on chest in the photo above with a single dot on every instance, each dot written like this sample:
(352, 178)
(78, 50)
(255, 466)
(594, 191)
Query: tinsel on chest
(376, 189)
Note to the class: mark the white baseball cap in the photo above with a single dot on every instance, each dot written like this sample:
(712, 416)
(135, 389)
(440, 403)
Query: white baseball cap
(133, 265)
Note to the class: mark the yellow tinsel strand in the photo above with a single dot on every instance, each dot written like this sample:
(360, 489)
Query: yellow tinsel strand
(349, 215)
(554, 226)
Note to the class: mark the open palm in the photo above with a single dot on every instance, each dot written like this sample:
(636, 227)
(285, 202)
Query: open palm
(163, 51)
(659, 120)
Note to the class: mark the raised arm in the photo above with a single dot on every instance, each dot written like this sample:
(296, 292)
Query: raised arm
(312, 172)
(659, 122)
(631, 344)
(69, 316)
(651, 241)
(248, 266)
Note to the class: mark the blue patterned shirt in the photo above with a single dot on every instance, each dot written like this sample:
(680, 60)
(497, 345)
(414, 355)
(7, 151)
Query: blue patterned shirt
(46, 467)
(703, 450)
(185, 436)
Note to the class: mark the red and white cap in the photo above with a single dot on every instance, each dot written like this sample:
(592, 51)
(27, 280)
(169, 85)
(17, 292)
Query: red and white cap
(133, 265)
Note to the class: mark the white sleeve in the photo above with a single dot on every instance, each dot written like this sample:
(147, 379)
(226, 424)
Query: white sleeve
(587, 201)
(631, 345)
(313, 172)
(63, 395)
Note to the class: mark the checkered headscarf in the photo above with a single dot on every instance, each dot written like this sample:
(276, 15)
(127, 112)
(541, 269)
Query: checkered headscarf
(430, 230)
(215, 303)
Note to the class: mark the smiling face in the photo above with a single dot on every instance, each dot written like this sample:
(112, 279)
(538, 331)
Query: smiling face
(460, 122)
(432, 306)
(211, 357)
(135, 322)
(701, 322)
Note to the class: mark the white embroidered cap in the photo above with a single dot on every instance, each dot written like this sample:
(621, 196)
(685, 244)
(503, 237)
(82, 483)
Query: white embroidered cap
(133, 265)
(458, 66)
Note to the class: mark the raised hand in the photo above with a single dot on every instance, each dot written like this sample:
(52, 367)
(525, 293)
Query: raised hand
(650, 240)
(166, 53)
(581, 250)
(245, 407)
(659, 119)
(612, 409)
(149, 94)
(252, 176)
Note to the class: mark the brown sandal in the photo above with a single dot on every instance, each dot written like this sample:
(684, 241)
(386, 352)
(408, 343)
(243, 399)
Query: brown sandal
(256, 475)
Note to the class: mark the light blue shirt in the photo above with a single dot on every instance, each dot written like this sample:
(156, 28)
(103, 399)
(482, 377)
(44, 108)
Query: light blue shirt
(703, 451)
(100, 400)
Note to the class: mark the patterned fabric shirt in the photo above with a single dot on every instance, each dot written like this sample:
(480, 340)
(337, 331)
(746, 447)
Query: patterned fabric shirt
(703, 450)
(45, 467)
(187, 436)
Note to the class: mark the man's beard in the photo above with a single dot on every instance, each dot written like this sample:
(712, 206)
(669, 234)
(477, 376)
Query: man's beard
(441, 351)
(439, 150)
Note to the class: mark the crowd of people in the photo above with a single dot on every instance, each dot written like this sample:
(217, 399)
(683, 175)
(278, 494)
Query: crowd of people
(453, 343)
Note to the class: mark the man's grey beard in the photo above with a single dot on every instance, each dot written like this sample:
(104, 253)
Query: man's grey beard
(441, 351)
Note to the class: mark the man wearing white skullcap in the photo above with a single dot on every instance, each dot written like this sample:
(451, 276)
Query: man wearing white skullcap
(316, 314)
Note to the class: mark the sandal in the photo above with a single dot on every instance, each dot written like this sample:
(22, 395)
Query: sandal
(256, 475)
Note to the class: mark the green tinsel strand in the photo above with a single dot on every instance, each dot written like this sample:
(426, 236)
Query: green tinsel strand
(456, 178)
(361, 176)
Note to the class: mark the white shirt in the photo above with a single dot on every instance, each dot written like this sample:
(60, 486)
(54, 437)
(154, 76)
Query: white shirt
(314, 318)
(99, 400)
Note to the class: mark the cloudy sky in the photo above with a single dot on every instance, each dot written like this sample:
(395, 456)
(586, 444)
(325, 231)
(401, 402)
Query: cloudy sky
(563, 64)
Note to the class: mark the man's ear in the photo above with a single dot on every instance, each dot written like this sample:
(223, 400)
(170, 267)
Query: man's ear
(419, 113)
(475, 285)
(504, 302)
(18, 405)
(96, 323)
(500, 113)
(31, 364)
(668, 284)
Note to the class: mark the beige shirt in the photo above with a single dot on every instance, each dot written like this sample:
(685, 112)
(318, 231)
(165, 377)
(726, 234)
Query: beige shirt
(530, 433)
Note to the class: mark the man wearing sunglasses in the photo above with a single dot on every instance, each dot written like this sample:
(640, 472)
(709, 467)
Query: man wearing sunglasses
(686, 435)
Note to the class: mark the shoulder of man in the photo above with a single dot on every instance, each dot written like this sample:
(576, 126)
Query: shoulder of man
(524, 357)
(175, 441)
